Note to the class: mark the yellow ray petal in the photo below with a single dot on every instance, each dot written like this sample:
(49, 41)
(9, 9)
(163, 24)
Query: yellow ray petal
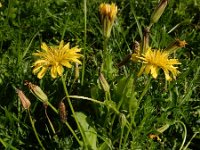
(45, 47)
(53, 72)
(36, 69)
(66, 47)
(66, 63)
(61, 44)
(60, 70)
(42, 73)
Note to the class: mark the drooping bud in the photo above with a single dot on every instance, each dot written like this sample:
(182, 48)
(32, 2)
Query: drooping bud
(38, 92)
(62, 111)
(123, 120)
(24, 100)
(175, 45)
(158, 11)
(104, 83)
(163, 128)
(108, 15)
(76, 71)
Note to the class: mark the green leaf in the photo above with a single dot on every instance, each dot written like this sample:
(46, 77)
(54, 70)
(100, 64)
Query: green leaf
(89, 131)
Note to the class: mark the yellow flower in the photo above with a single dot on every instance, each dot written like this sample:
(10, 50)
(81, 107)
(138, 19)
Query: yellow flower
(55, 58)
(107, 10)
(154, 60)
(108, 15)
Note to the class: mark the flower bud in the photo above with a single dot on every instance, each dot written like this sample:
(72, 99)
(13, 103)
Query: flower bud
(108, 15)
(104, 83)
(158, 11)
(62, 111)
(175, 45)
(24, 100)
(76, 71)
(123, 120)
(163, 128)
(38, 92)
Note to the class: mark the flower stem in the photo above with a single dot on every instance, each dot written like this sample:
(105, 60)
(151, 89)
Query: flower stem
(50, 123)
(85, 37)
(185, 134)
(73, 112)
(121, 137)
(87, 98)
(36, 134)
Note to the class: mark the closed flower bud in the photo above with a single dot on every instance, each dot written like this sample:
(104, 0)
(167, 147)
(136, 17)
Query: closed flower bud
(158, 11)
(62, 111)
(163, 128)
(175, 45)
(123, 120)
(104, 83)
(38, 92)
(24, 100)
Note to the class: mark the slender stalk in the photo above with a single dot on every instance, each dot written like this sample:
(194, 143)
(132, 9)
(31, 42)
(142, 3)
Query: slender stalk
(87, 98)
(85, 38)
(36, 134)
(185, 134)
(121, 137)
(51, 125)
(105, 54)
(95, 101)
(73, 112)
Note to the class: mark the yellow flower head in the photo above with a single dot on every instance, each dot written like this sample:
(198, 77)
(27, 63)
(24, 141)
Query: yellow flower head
(108, 15)
(107, 10)
(154, 60)
(55, 58)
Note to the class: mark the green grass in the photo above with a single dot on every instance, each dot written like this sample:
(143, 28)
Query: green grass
(121, 117)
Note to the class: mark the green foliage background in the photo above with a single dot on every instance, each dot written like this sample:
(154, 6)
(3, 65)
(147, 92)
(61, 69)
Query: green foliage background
(25, 24)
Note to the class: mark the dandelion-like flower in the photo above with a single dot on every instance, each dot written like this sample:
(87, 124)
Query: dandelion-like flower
(154, 60)
(55, 58)
(108, 15)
